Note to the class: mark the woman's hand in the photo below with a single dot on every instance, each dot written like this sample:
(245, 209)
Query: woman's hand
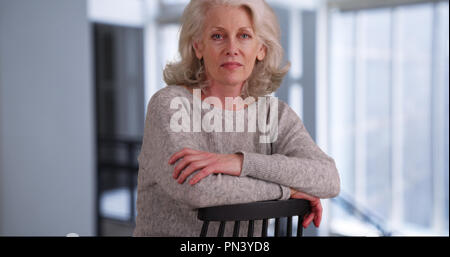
(316, 208)
(208, 163)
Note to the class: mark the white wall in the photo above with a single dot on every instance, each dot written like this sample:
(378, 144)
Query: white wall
(123, 12)
(47, 159)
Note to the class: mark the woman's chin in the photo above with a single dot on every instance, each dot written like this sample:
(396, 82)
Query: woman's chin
(232, 81)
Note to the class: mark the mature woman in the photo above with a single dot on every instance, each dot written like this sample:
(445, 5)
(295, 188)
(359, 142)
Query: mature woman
(229, 49)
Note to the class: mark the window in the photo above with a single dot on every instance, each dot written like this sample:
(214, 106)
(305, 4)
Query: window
(388, 114)
(119, 88)
(169, 34)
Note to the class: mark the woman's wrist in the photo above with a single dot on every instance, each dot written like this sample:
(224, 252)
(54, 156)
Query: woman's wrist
(241, 162)
(292, 192)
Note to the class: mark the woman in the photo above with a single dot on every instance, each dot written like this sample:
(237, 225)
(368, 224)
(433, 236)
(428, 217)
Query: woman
(228, 49)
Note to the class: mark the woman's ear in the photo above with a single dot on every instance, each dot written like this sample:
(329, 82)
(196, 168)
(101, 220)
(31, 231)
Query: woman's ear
(262, 53)
(198, 48)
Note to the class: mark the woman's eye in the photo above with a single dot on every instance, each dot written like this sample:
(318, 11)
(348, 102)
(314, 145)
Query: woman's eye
(246, 36)
(216, 36)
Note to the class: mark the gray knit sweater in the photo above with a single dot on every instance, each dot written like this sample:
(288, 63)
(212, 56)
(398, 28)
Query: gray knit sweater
(166, 208)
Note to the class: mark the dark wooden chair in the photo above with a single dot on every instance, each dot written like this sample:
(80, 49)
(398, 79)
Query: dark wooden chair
(255, 211)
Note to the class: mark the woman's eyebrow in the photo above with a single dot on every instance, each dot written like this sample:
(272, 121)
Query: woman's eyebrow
(221, 28)
(246, 28)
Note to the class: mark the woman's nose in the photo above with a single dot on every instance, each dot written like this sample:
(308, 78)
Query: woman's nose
(232, 49)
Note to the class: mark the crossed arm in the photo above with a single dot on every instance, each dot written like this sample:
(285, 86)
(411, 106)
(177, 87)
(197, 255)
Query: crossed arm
(230, 164)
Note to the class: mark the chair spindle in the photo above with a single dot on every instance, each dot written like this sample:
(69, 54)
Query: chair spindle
(221, 229)
(277, 227)
(250, 228)
(204, 228)
(289, 227)
(264, 228)
(300, 226)
(237, 224)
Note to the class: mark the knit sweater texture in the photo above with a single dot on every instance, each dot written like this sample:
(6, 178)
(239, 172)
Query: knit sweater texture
(269, 169)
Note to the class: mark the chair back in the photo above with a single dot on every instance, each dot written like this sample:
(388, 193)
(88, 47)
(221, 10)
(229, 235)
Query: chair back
(255, 211)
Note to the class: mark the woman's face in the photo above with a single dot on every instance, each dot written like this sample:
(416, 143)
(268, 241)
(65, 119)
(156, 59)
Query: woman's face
(229, 46)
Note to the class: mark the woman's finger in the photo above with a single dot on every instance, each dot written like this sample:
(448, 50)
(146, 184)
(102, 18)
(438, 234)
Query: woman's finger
(318, 217)
(301, 195)
(177, 155)
(308, 219)
(182, 153)
(180, 166)
(190, 169)
(201, 175)
(186, 161)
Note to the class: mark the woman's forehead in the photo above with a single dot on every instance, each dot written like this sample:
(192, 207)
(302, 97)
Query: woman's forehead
(228, 18)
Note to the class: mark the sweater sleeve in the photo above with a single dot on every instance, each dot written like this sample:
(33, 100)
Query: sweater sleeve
(160, 143)
(296, 161)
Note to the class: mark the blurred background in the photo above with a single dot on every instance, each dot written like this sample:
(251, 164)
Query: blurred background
(369, 78)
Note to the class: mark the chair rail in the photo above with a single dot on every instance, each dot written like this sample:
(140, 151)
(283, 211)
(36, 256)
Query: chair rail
(255, 210)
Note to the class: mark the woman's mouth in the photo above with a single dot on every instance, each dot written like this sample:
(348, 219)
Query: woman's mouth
(231, 65)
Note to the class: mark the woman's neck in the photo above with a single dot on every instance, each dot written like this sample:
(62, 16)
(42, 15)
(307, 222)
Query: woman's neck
(220, 92)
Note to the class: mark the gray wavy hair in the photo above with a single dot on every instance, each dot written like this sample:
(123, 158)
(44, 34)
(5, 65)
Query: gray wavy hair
(267, 74)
